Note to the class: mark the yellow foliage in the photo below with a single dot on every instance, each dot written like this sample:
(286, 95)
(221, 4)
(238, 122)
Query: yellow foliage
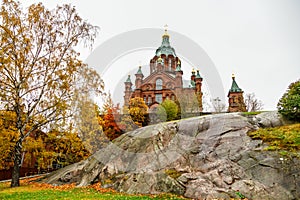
(44, 148)
(8, 137)
(138, 109)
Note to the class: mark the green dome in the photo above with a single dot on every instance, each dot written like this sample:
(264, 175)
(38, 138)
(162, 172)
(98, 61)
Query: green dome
(165, 47)
(198, 74)
(128, 79)
(140, 70)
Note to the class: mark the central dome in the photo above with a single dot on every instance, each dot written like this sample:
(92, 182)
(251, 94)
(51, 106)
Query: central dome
(166, 51)
(165, 47)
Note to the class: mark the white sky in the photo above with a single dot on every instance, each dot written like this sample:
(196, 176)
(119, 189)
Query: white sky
(258, 40)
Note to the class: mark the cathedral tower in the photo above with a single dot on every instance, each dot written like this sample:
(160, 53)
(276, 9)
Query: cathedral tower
(235, 98)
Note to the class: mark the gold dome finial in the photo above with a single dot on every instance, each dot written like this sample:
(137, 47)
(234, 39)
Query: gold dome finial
(178, 62)
(233, 76)
(166, 31)
(193, 71)
(166, 27)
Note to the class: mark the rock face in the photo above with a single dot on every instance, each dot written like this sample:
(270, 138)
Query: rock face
(205, 157)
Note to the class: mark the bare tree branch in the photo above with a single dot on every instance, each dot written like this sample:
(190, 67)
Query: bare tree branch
(252, 103)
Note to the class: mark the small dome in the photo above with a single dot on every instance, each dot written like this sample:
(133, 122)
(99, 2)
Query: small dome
(159, 60)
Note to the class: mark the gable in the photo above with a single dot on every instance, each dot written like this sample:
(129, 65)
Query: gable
(154, 76)
(149, 83)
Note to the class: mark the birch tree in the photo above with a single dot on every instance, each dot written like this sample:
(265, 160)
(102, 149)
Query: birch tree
(41, 74)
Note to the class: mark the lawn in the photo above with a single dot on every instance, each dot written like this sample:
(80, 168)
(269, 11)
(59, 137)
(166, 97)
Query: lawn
(29, 190)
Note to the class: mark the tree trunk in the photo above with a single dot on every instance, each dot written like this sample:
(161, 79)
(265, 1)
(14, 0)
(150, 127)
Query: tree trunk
(15, 182)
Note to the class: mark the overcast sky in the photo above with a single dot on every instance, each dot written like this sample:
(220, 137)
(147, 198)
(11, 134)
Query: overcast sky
(258, 40)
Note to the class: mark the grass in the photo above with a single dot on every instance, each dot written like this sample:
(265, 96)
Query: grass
(251, 113)
(29, 190)
(284, 138)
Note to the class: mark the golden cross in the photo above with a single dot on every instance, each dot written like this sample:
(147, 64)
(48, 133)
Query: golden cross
(166, 27)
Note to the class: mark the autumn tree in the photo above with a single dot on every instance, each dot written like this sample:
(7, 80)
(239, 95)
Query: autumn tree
(252, 103)
(167, 110)
(40, 71)
(88, 126)
(39, 149)
(61, 148)
(110, 127)
(53, 149)
(32, 145)
(109, 119)
(126, 123)
(8, 135)
(137, 110)
(289, 103)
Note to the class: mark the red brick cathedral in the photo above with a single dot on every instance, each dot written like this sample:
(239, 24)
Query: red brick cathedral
(165, 80)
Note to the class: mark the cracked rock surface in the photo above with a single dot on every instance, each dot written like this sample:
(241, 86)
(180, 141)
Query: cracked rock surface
(205, 157)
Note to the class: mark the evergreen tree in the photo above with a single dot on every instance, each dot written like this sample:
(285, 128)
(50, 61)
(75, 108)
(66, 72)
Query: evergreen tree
(289, 104)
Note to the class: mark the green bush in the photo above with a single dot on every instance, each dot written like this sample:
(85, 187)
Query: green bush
(168, 110)
(289, 104)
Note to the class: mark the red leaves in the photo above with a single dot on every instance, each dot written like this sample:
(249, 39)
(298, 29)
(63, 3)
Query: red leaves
(97, 186)
(108, 122)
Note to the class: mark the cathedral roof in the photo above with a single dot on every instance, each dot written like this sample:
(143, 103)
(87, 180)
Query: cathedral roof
(139, 70)
(178, 68)
(128, 79)
(198, 74)
(234, 86)
(165, 47)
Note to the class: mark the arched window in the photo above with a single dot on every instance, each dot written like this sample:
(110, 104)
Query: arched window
(153, 68)
(149, 99)
(173, 97)
(159, 83)
(158, 98)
